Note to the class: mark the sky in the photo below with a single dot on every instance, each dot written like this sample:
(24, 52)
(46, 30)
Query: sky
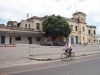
(18, 9)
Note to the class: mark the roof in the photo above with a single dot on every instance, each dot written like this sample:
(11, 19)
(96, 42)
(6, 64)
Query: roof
(76, 13)
(2, 25)
(12, 21)
(35, 17)
(91, 26)
(73, 20)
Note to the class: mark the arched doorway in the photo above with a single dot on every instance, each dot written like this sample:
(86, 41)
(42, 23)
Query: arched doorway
(76, 39)
(72, 39)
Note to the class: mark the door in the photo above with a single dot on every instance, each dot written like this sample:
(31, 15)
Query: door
(67, 39)
(72, 39)
(30, 40)
(76, 39)
(2, 39)
(10, 40)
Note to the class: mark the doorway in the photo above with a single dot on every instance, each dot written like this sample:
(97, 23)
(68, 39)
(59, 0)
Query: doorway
(30, 40)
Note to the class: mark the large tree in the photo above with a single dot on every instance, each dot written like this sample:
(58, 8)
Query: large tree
(56, 26)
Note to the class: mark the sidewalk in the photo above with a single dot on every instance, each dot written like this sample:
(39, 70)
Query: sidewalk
(19, 62)
(27, 61)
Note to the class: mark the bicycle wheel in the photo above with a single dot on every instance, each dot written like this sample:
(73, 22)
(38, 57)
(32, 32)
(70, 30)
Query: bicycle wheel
(72, 54)
(64, 56)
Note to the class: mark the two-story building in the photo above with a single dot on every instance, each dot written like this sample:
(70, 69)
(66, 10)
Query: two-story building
(81, 32)
(30, 31)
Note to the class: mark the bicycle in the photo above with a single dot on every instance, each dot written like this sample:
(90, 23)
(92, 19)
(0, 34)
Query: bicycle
(65, 55)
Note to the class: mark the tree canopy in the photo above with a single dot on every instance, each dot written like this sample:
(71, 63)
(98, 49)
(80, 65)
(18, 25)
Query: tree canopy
(56, 26)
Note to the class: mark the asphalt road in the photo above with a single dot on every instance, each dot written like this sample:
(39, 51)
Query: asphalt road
(83, 66)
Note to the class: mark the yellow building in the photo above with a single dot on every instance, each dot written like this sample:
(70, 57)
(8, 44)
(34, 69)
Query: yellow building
(30, 31)
(81, 32)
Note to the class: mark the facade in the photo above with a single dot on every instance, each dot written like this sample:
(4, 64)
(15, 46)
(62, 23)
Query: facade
(98, 39)
(30, 31)
(81, 32)
(12, 24)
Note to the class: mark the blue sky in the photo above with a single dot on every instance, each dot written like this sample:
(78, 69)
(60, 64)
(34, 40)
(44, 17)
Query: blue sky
(18, 9)
(2, 21)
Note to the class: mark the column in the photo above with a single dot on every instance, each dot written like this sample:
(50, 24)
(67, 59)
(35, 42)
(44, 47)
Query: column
(7, 40)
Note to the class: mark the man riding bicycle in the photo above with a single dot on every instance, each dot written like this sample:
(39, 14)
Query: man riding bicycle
(68, 48)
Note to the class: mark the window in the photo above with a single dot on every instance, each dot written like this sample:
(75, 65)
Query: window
(76, 28)
(97, 41)
(72, 27)
(94, 41)
(94, 32)
(10, 40)
(29, 25)
(38, 26)
(83, 29)
(25, 25)
(89, 40)
(18, 38)
(30, 40)
(15, 26)
(88, 31)
(2, 39)
(83, 38)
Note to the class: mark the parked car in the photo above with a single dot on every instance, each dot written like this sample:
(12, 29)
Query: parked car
(58, 43)
(52, 43)
(42, 43)
(49, 43)
(46, 43)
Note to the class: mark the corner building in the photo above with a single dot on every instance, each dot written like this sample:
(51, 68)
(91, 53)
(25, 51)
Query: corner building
(30, 31)
(82, 33)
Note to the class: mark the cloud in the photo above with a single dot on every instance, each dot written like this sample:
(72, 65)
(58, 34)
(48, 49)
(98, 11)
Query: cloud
(18, 9)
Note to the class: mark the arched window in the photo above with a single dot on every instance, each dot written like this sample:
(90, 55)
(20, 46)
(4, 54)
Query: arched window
(83, 38)
(72, 27)
(25, 25)
(94, 32)
(83, 29)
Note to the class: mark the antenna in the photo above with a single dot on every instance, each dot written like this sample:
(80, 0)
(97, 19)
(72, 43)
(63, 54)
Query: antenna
(27, 15)
(75, 5)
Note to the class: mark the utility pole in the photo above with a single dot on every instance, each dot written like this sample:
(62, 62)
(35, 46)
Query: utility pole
(75, 5)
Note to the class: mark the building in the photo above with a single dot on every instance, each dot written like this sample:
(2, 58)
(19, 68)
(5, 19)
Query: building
(30, 31)
(81, 32)
(98, 39)
(12, 24)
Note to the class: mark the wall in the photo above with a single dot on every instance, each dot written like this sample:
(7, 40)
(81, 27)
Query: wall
(23, 22)
(37, 21)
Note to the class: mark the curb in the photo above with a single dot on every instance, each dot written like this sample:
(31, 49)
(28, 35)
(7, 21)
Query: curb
(50, 59)
(40, 59)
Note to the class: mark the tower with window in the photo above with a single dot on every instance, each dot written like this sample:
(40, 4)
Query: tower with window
(79, 17)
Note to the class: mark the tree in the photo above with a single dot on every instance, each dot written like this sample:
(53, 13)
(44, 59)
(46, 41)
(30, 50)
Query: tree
(56, 26)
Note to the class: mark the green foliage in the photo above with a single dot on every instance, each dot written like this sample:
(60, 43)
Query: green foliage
(32, 29)
(56, 26)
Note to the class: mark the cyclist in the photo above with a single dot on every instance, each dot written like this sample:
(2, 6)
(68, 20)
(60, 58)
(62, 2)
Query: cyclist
(68, 48)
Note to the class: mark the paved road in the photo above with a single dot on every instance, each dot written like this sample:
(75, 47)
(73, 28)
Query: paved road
(84, 66)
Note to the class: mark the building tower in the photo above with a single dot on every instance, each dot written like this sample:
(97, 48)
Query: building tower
(79, 17)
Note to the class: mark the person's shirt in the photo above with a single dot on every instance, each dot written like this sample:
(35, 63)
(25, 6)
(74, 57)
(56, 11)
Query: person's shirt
(68, 45)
